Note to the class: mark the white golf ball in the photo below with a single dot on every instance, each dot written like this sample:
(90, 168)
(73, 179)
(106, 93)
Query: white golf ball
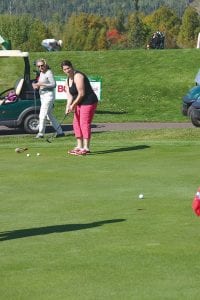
(27, 154)
(38, 154)
(141, 196)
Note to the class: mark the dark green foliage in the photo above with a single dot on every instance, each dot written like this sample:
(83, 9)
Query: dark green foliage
(44, 9)
(136, 31)
(167, 21)
(189, 29)
(91, 26)
(85, 32)
(25, 32)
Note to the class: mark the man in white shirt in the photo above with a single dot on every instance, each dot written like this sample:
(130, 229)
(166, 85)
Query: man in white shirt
(52, 44)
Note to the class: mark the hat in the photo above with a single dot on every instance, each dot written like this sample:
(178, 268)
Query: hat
(60, 42)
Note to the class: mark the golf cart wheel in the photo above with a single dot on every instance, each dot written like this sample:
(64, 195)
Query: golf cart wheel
(184, 110)
(31, 123)
(195, 117)
(189, 111)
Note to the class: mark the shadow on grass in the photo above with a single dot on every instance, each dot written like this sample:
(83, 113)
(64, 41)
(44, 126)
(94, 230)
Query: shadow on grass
(109, 112)
(23, 233)
(122, 149)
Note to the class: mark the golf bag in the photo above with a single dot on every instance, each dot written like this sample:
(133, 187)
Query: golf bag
(157, 40)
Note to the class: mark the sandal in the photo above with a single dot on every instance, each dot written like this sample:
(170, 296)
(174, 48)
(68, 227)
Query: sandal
(82, 152)
(74, 151)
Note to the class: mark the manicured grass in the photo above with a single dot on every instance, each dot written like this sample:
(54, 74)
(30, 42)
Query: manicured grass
(137, 85)
(74, 228)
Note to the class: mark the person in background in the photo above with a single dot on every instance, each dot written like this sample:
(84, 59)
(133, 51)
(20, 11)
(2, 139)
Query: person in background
(82, 100)
(46, 84)
(198, 41)
(52, 44)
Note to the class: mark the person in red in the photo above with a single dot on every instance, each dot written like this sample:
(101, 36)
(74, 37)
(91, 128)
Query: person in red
(196, 203)
(82, 100)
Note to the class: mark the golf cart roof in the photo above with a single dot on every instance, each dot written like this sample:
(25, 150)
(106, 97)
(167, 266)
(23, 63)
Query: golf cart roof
(13, 53)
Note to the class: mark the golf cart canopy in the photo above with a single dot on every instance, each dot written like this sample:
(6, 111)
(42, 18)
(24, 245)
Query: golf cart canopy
(13, 53)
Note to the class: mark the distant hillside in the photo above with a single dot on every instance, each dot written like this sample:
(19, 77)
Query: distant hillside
(45, 9)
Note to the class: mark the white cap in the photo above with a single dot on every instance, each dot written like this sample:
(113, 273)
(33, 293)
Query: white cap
(60, 43)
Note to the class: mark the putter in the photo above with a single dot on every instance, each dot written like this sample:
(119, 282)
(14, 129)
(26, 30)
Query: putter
(51, 138)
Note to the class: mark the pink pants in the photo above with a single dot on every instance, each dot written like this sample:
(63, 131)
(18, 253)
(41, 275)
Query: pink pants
(82, 120)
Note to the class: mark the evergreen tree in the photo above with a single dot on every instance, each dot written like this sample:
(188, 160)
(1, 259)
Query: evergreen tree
(45, 9)
(88, 31)
(189, 29)
(120, 21)
(82, 32)
(37, 33)
(136, 31)
(24, 32)
(55, 26)
(165, 20)
(136, 3)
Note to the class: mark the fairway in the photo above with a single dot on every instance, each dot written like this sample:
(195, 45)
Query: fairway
(74, 227)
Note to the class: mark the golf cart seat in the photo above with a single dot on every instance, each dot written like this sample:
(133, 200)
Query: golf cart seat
(13, 94)
(18, 87)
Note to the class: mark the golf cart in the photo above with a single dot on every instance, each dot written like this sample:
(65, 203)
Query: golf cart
(22, 110)
(191, 105)
(195, 113)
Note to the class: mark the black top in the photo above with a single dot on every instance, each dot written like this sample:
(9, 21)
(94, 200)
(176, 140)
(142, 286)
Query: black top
(90, 97)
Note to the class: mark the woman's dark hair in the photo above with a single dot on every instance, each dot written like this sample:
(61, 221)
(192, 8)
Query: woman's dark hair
(66, 63)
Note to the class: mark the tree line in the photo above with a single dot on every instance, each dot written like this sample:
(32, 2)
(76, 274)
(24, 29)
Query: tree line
(44, 9)
(86, 31)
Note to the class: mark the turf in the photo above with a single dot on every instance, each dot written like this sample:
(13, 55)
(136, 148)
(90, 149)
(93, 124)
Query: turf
(74, 228)
(137, 85)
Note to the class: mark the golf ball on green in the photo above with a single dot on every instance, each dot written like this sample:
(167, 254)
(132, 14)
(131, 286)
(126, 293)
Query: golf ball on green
(38, 154)
(141, 196)
(27, 154)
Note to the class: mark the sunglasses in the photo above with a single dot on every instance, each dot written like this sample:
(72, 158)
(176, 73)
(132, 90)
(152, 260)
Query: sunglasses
(40, 66)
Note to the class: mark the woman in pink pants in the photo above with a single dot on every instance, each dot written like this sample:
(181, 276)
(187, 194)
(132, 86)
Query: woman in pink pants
(82, 100)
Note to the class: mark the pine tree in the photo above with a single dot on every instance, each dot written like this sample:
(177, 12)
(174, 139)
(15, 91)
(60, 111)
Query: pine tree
(189, 29)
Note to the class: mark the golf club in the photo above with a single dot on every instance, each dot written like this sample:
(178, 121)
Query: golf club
(50, 138)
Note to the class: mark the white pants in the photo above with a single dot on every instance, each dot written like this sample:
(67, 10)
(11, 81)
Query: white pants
(46, 111)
